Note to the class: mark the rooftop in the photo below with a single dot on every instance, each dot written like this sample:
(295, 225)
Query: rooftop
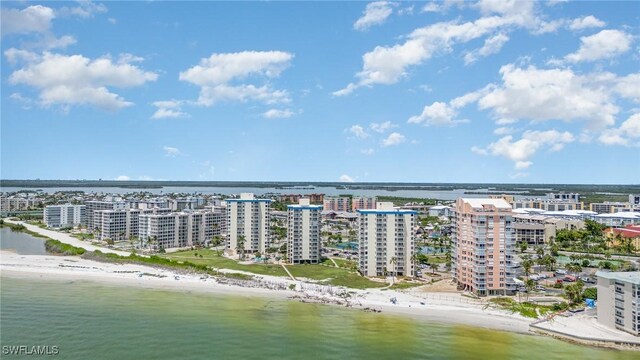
(632, 277)
(479, 203)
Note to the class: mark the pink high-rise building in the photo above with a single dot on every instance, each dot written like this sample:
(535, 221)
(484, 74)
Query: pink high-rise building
(363, 203)
(483, 246)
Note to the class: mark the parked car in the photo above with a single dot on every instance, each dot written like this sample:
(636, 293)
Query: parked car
(561, 272)
(559, 281)
(543, 276)
(540, 288)
(522, 289)
(569, 278)
(534, 277)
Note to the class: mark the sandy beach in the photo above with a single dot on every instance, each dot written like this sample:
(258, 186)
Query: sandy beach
(447, 308)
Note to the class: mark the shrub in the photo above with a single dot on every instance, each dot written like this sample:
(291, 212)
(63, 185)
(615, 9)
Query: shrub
(590, 293)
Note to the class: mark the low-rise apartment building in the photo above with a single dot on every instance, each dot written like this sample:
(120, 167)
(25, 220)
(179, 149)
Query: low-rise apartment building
(608, 207)
(538, 230)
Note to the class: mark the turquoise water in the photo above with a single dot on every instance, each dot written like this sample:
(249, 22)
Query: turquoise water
(93, 321)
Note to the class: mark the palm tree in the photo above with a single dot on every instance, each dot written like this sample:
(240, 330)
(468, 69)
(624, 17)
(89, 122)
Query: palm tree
(574, 291)
(433, 266)
(530, 285)
(627, 245)
(414, 261)
(574, 268)
(216, 241)
(240, 246)
(393, 262)
(540, 251)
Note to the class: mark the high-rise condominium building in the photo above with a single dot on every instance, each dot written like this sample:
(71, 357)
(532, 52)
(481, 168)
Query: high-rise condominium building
(619, 300)
(483, 246)
(386, 240)
(363, 202)
(96, 205)
(337, 203)
(248, 222)
(64, 215)
(181, 229)
(303, 233)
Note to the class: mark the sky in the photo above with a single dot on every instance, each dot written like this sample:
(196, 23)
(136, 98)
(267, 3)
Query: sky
(453, 91)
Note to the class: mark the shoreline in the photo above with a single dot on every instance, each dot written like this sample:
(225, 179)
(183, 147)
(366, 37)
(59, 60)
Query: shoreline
(444, 308)
(438, 307)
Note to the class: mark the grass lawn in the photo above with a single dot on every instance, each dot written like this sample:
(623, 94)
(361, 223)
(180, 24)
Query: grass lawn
(211, 258)
(347, 264)
(335, 276)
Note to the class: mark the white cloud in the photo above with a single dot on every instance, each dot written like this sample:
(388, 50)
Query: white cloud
(585, 23)
(555, 94)
(491, 45)
(169, 109)
(629, 87)
(367, 151)
(346, 178)
(520, 151)
(478, 150)
(69, 80)
(358, 131)
(382, 127)
(123, 178)
(215, 74)
(85, 9)
(627, 134)
(503, 131)
(36, 18)
(112, 20)
(393, 139)
(171, 151)
(278, 114)
(387, 65)
(375, 13)
(604, 45)
(438, 113)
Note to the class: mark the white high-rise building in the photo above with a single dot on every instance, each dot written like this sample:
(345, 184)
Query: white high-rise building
(386, 240)
(619, 300)
(303, 235)
(96, 205)
(56, 216)
(248, 218)
(182, 229)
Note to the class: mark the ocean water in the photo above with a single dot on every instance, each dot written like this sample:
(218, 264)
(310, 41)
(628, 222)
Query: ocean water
(86, 320)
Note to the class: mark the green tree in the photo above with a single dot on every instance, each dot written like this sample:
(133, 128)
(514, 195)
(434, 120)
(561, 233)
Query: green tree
(530, 285)
(240, 246)
(540, 252)
(394, 262)
(433, 267)
(574, 292)
(574, 269)
(216, 241)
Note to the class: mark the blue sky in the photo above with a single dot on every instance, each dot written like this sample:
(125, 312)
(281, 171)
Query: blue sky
(488, 91)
